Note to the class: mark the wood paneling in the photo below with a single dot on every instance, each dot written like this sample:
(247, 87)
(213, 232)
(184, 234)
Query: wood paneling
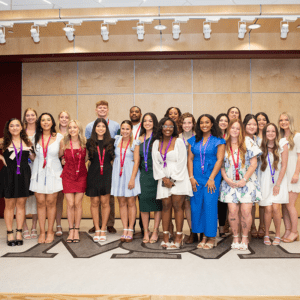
(10, 15)
(280, 9)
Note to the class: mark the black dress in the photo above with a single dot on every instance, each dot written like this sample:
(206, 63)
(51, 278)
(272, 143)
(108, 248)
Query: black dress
(13, 185)
(99, 185)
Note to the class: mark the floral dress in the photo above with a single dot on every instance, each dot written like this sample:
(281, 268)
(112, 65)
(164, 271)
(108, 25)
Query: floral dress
(251, 192)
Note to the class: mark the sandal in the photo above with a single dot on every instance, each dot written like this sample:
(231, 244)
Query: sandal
(129, 238)
(235, 245)
(18, 241)
(96, 238)
(123, 236)
(286, 240)
(146, 241)
(58, 232)
(244, 246)
(33, 233)
(267, 242)
(177, 245)
(76, 240)
(202, 243)
(163, 244)
(102, 237)
(70, 240)
(209, 246)
(26, 235)
(153, 241)
(278, 242)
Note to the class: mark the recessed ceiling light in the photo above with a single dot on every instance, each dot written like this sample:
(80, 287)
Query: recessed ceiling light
(254, 26)
(160, 27)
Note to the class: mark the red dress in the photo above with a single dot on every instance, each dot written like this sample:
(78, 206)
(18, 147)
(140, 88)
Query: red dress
(74, 182)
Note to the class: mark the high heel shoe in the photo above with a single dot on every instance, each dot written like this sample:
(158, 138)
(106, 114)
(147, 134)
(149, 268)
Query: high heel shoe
(177, 245)
(163, 244)
(102, 237)
(153, 241)
(202, 243)
(18, 241)
(146, 241)
(129, 238)
(10, 242)
(96, 238)
(254, 232)
(292, 240)
(123, 236)
(209, 246)
(235, 245)
(76, 240)
(287, 229)
(70, 240)
(244, 246)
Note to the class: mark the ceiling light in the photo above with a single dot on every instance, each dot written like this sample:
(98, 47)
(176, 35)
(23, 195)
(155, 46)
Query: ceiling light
(206, 29)
(176, 30)
(284, 29)
(47, 1)
(254, 26)
(140, 29)
(2, 35)
(242, 30)
(160, 27)
(3, 3)
(104, 31)
(35, 33)
(69, 32)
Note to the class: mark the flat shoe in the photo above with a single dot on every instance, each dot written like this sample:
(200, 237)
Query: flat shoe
(26, 235)
(33, 233)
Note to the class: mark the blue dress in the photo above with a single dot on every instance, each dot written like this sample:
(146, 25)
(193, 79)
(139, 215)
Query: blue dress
(204, 205)
(119, 185)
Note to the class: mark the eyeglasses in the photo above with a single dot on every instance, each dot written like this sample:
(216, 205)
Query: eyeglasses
(166, 127)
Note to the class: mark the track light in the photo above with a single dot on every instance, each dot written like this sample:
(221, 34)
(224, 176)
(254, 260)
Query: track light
(242, 29)
(2, 35)
(104, 31)
(35, 33)
(284, 30)
(140, 29)
(69, 32)
(176, 30)
(206, 29)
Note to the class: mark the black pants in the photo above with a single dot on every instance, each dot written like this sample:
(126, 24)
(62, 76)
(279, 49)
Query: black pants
(222, 213)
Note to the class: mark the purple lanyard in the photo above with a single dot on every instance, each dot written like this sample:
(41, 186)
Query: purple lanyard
(165, 155)
(184, 138)
(272, 171)
(18, 158)
(202, 158)
(146, 152)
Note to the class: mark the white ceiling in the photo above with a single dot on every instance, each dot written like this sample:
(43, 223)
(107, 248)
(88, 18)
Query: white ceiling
(56, 4)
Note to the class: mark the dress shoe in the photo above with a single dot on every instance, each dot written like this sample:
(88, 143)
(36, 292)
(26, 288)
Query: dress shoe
(92, 230)
(193, 238)
(111, 229)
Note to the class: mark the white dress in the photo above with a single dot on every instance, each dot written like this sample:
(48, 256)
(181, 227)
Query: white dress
(176, 169)
(293, 157)
(47, 180)
(267, 185)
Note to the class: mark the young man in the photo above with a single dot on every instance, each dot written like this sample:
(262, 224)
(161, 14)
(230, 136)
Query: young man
(102, 112)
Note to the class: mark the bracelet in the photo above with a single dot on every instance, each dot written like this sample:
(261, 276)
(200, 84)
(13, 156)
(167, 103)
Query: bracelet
(211, 179)
(191, 177)
(245, 179)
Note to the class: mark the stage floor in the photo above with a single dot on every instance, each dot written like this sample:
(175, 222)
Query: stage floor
(135, 268)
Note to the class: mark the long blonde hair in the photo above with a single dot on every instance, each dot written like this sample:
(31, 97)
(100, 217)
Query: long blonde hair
(63, 111)
(291, 127)
(241, 140)
(81, 137)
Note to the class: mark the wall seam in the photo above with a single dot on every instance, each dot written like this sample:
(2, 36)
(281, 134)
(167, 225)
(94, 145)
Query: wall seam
(192, 67)
(134, 82)
(251, 85)
(77, 101)
(21, 90)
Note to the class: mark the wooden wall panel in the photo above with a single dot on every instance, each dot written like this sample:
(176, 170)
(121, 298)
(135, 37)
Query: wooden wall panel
(114, 77)
(275, 75)
(50, 78)
(163, 76)
(221, 76)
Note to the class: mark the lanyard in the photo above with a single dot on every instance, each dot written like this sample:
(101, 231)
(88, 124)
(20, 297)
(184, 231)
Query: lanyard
(146, 151)
(77, 171)
(165, 155)
(101, 160)
(202, 157)
(18, 158)
(184, 139)
(123, 160)
(224, 135)
(107, 122)
(236, 165)
(45, 150)
(137, 131)
(272, 171)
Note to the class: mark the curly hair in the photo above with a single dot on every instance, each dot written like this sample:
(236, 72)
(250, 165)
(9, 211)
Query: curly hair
(93, 140)
(264, 148)
(184, 116)
(168, 111)
(215, 130)
(39, 129)
(155, 124)
(159, 134)
(7, 139)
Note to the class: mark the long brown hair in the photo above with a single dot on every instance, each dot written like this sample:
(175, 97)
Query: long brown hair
(7, 139)
(241, 140)
(292, 129)
(264, 148)
(24, 116)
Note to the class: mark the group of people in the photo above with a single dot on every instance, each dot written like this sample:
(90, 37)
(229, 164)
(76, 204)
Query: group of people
(207, 170)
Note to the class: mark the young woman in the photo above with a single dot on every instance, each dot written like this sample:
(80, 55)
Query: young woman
(234, 113)
(205, 158)
(29, 121)
(125, 185)
(101, 154)
(187, 127)
(222, 121)
(240, 184)
(290, 215)
(262, 120)
(45, 179)
(63, 120)
(15, 177)
(273, 180)
(174, 113)
(73, 148)
(170, 169)
(143, 160)
(251, 127)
